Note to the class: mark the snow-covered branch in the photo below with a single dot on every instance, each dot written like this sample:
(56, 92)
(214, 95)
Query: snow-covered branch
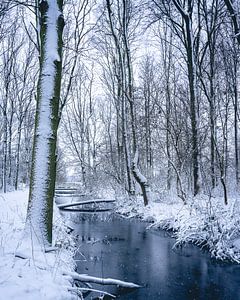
(103, 281)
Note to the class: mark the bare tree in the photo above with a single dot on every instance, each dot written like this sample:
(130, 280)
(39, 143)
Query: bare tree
(182, 25)
(126, 78)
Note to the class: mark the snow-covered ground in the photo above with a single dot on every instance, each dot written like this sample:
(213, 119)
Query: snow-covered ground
(35, 278)
(203, 221)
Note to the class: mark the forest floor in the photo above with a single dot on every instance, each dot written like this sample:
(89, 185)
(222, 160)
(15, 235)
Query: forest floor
(28, 279)
(204, 221)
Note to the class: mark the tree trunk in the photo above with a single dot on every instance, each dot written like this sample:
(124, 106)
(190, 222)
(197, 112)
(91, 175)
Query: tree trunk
(142, 181)
(9, 181)
(43, 172)
(193, 104)
(236, 124)
(4, 169)
(18, 155)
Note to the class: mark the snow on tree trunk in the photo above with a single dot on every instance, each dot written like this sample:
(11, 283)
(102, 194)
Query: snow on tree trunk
(43, 172)
(141, 180)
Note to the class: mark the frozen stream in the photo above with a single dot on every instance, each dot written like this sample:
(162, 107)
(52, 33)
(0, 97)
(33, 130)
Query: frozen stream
(125, 250)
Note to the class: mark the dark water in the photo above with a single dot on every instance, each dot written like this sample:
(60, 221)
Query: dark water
(126, 250)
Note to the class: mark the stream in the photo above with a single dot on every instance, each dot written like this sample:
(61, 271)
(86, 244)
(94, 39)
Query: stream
(124, 249)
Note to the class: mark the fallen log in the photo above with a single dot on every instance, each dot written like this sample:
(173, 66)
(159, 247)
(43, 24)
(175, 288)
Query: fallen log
(62, 206)
(86, 210)
(103, 281)
(66, 189)
(70, 195)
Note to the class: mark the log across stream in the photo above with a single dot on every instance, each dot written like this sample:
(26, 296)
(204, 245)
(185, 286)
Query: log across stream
(125, 249)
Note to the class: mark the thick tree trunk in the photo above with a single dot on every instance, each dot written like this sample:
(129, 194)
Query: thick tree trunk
(43, 172)
(193, 105)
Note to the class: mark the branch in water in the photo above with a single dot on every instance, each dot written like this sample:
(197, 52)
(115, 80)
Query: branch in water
(103, 281)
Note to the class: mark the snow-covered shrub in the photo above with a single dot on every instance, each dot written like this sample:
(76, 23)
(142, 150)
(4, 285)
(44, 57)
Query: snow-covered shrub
(204, 221)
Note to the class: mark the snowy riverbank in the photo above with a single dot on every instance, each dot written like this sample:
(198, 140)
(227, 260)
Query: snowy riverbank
(203, 221)
(206, 222)
(38, 278)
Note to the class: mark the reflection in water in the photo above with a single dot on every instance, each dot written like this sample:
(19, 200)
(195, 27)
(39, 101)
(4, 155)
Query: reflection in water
(125, 250)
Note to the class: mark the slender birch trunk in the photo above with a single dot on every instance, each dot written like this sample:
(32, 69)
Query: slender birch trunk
(43, 172)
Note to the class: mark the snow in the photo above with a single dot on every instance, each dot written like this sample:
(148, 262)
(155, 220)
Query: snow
(236, 243)
(37, 278)
(202, 221)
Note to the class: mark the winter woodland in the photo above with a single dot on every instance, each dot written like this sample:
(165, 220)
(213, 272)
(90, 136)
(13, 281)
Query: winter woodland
(132, 100)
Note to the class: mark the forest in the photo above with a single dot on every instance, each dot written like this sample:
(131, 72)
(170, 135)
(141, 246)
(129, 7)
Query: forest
(117, 103)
